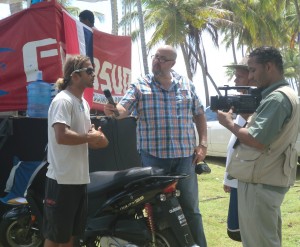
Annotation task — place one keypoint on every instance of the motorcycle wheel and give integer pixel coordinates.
(165, 238)
(18, 233)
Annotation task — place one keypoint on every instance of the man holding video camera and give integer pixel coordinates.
(265, 159)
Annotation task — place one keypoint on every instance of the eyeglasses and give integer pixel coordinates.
(89, 71)
(161, 59)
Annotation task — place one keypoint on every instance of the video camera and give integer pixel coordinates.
(242, 103)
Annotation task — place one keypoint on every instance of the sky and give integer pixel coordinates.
(216, 58)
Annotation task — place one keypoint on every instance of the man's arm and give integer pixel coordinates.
(225, 118)
(65, 136)
(128, 100)
(201, 126)
(109, 110)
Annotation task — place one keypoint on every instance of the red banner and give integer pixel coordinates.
(112, 66)
(34, 40)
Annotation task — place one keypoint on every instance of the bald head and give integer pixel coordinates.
(163, 60)
(170, 50)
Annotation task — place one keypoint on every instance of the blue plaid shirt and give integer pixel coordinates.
(165, 117)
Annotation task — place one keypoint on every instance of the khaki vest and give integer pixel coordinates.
(277, 164)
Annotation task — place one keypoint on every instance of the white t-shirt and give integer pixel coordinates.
(232, 182)
(68, 164)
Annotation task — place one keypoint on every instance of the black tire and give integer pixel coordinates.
(93, 242)
(90, 242)
(18, 233)
(165, 238)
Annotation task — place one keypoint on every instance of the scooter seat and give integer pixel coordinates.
(104, 180)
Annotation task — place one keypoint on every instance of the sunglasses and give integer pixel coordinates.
(161, 59)
(89, 71)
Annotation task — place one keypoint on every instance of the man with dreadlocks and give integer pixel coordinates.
(70, 133)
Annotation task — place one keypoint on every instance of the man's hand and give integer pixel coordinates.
(199, 154)
(96, 138)
(109, 110)
(226, 119)
(226, 188)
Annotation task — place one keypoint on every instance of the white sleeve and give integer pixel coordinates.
(232, 182)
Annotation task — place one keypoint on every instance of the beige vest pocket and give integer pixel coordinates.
(242, 162)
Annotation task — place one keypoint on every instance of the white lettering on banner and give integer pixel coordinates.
(126, 78)
(30, 56)
(104, 75)
(109, 72)
(117, 78)
(118, 89)
(97, 69)
(62, 54)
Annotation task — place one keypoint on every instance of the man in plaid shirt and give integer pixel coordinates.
(166, 105)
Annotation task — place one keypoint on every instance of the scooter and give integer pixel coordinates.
(136, 207)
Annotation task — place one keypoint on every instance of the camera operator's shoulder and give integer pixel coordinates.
(277, 95)
(284, 96)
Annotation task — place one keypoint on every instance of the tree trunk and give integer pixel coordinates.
(186, 61)
(114, 16)
(15, 7)
(142, 36)
(213, 83)
(204, 73)
(233, 43)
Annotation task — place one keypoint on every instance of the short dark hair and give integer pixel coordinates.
(267, 54)
(87, 15)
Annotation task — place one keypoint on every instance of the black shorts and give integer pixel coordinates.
(65, 209)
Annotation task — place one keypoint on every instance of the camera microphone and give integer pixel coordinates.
(110, 100)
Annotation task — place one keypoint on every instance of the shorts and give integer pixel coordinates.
(65, 211)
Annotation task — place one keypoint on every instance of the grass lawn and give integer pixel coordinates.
(214, 205)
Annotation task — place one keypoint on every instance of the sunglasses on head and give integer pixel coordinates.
(89, 71)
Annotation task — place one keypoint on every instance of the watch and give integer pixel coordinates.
(203, 144)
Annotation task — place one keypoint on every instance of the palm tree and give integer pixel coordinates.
(293, 21)
(14, 5)
(114, 16)
(182, 24)
(179, 23)
(266, 22)
(292, 67)
(136, 14)
(252, 23)
(245, 25)
(142, 35)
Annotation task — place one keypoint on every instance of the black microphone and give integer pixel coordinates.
(110, 100)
